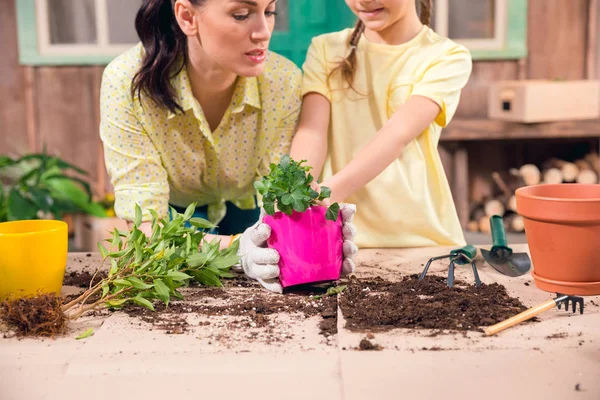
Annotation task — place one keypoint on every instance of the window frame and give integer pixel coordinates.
(34, 38)
(510, 41)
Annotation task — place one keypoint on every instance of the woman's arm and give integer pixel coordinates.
(310, 141)
(408, 122)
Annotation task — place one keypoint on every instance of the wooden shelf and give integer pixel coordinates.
(485, 129)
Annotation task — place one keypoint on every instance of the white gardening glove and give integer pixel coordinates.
(260, 262)
(348, 233)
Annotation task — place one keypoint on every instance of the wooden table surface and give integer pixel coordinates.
(125, 358)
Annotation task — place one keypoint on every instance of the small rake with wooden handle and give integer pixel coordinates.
(537, 310)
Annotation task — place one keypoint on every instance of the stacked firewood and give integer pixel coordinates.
(504, 203)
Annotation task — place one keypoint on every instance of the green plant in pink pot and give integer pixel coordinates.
(297, 240)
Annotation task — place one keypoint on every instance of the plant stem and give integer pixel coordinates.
(83, 309)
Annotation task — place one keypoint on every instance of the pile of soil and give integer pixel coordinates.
(35, 316)
(379, 305)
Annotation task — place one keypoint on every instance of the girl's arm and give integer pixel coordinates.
(408, 122)
(310, 140)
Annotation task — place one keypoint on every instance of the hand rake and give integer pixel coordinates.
(462, 256)
(537, 310)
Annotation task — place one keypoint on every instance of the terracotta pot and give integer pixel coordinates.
(562, 225)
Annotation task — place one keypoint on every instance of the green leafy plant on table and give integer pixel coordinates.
(142, 270)
(287, 188)
(37, 185)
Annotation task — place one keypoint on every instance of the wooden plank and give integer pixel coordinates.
(460, 187)
(67, 115)
(557, 39)
(13, 127)
(597, 40)
(30, 107)
(101, 174)
(591, 49)
(483, 129)
(474, 97)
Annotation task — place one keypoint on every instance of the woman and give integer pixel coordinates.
(197, 111)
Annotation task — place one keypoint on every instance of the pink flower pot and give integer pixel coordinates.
(309, 246)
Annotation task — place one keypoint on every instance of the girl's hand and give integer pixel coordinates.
(316, 187)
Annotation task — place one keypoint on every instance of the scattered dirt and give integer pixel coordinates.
(368, 305)
(560, 335)
(379, 305)
(594, 304)
(433, 348)
(255, 307)
(82, 279)
(526, 283)
(34, 316)
(366, 344)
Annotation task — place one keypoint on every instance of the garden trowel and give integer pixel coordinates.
(500, 256)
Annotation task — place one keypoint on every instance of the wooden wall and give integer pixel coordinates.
(58, 107)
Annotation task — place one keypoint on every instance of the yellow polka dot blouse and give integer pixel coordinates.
(155, 158)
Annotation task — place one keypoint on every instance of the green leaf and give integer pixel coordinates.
(19, 207)
(260, 187)
(225, 262)
(299, 179)
(269, 207)
(197, 260)
(333, 290)
(103, 250)
(189, 211)
(123, 282)
(178, 276)
(332, 212)
(116, 241)
(300, 202)
(116, 303)
(105, 289)
(138, 283)
(139, 254)
(207, 278)
(285, 209)
(313, 193)
(162, 291)
(86, 334)
(41, 198)
(201, 223)
(114, 267)
(286, 199)
(138, 216)
(284, 164)
(325, 193)
(139, 300)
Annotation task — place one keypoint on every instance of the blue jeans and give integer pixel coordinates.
(236, 220)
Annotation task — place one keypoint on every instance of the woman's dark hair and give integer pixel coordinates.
(164, 46)
(348, 65)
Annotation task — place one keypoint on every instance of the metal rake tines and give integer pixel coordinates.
(573, 300)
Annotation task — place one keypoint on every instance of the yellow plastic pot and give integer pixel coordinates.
(33, 257)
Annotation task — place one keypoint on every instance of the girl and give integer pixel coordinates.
(198, 110)
(376, 98)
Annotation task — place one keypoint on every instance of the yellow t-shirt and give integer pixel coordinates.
(410, 203)
(155, 157)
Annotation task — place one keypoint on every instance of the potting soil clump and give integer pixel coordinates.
(379, 305)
